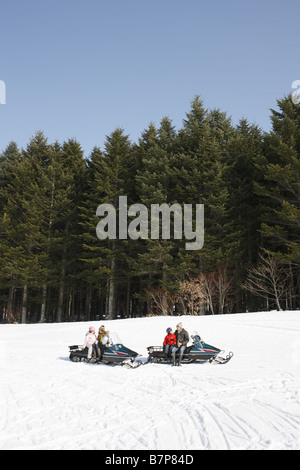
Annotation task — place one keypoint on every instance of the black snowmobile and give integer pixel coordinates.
(113, 352)
(198, 352)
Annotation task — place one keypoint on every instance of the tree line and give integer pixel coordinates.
(54, 268)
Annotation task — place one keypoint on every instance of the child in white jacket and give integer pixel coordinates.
(90, 340)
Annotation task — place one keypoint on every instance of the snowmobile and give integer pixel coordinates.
(112, 351)
(198, 352)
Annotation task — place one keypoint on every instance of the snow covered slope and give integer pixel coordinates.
(253, 402)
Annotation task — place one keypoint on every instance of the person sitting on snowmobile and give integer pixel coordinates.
(106, 340)
(169, 341)
(90, 342)
(101, 333)
(182, 339)
(103, 339)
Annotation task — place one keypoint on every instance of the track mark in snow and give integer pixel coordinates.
(251, 403)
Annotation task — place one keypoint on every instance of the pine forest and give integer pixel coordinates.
(54, 268)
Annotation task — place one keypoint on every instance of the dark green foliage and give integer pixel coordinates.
(53, 267)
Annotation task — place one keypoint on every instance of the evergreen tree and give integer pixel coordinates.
(66, 251)
(109, 178)
(23, 230)
(245, 150)
(280, 188)
(203, 143)
(8, 282)
(54, 267)
(161, 261)
(36, 217)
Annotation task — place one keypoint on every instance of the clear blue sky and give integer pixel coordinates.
(81, 68)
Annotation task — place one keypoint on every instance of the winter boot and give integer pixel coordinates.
(180, 359)
(173, 360)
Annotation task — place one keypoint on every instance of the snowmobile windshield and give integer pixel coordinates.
(114, 338)
(196, 337)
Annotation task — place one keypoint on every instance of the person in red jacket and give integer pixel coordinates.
(169, 342)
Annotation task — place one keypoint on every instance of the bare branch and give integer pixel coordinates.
(269, 279)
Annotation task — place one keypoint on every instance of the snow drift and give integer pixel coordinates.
(253, 402)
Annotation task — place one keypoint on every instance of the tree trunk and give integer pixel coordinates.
(24, 304)
(164, 306)
(88, 302)
(61, 292)
(10, 301)
(112, 292)
(127, 313)
(43, 307)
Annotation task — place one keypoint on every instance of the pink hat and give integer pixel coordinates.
(92, 328)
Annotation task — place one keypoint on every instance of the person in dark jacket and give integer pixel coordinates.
(182, 339)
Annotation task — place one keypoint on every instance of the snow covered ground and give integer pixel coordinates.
(253, 402)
